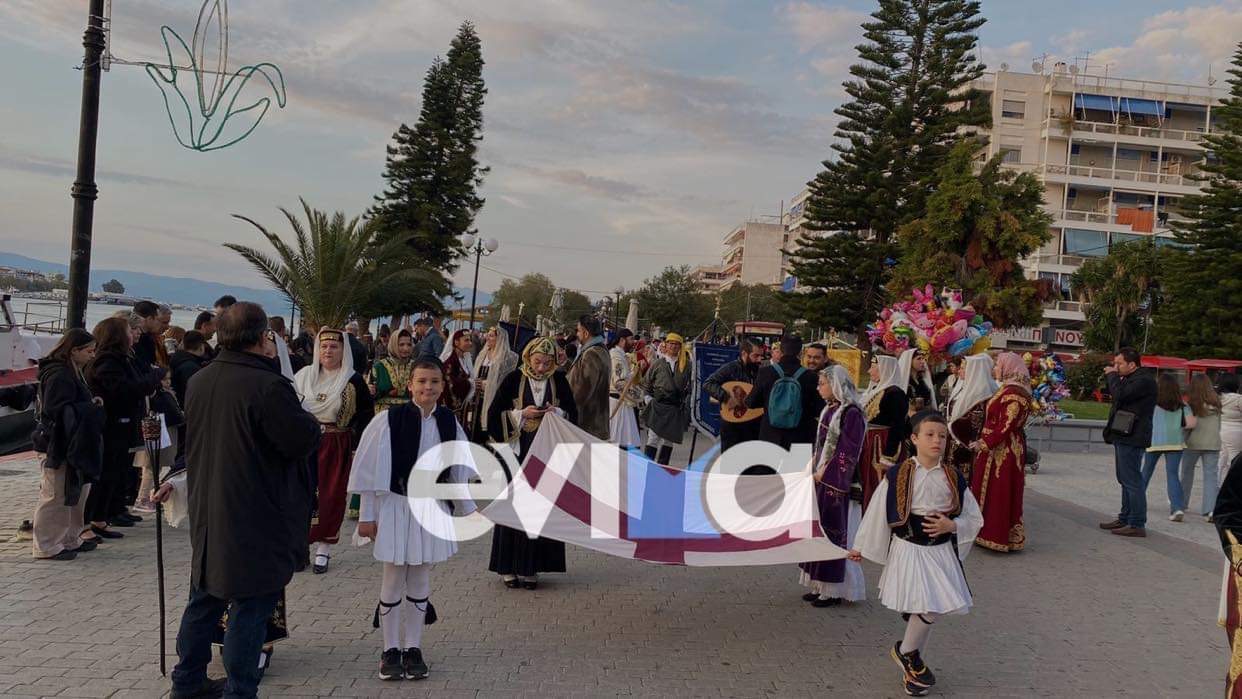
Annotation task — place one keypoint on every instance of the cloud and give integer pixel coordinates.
(1017, 55)
(18, 161)
(1178, 45)
(815, 26)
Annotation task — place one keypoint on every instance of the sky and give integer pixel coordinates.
(622, 135)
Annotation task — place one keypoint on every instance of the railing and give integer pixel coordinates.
(1083, 216)
(1108, 173)
(1165, 91)
(1065, 306)
(47, 317)
(1105, 129)
(1057, 259)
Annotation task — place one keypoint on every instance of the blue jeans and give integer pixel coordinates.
(247, 629)
(1211, 484)
(1172, 479)
(1129, 462)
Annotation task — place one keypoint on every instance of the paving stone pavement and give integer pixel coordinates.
(1080, 613)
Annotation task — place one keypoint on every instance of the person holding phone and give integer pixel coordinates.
(1129, 431)
(522, 400)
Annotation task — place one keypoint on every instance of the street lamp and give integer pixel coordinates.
(480, 247)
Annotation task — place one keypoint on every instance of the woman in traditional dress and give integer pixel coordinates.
(517, 410)
(999, 477)
(493, 364)
(886, 405)
(967, 408)
(458, 364)
(1228, 518)
(338, 397)
(391, 375)
(920, 388)
(838, 492)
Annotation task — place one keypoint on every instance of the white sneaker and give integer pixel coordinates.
(1177, 516)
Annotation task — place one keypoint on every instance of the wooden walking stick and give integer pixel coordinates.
(151, 439)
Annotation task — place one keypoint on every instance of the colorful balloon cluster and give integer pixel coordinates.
(940, 326)
(1048, 386)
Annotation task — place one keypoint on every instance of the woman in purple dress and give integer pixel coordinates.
(838, 494)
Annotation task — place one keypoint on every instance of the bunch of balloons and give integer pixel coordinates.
(1048, 386)
(941, 326)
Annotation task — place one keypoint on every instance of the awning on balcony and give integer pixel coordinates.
(1101, 102)
(1133, 105)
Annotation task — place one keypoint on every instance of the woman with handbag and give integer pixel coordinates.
(70, 435)
(1169, 422)
(1202, 442)
(115, 378)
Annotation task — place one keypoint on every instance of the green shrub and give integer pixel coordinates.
(1087, 375)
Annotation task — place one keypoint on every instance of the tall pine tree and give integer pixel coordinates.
(1202, 288)
(979, 225)
(433, 173)
(909, 96)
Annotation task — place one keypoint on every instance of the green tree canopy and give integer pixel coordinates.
(334, 266)
(672, 301)
(113, 286)
(1118, 287)
(536, 291)
(1202, 289)
(909, 97)
(978, 227)
(432, 174)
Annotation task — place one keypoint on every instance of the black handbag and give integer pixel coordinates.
(1121, 424)
(41, 435)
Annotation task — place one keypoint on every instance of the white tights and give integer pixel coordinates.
(918, 628)
(400, 586)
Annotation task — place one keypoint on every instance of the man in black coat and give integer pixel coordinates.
(1134, 396)
(744, 369)
(185, 363)
(812, 404)
(247, 444)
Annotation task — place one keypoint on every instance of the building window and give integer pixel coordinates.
(1127, 154)
(1086, 243)
(1009, 154)
(1013, 109)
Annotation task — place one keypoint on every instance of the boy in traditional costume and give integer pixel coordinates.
(411, 531)
(340, 400)
(920, 526)
(521, 401)
(838, 493)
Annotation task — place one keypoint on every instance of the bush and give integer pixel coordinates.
(1087, 375)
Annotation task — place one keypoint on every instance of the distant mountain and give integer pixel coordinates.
(182, 290)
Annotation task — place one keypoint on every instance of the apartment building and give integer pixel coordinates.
(709, 278)
(1115, 155)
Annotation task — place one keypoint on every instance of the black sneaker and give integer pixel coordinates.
(912, 688)
(914, 667)
(120, 522)
(412, 661)
(390, 665)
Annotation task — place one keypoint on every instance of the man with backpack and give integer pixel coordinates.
(788, 394)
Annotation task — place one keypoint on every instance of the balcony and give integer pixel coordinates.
(1047, 259)
(1124, 133)
(1148, 89)
(1083, 174)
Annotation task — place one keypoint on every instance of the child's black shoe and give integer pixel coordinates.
(390, 665)
(912, 664)
(413, 665)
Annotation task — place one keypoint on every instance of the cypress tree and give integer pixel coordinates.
(979, 225)
(432, 172)
(908, 97)
(1202, 287)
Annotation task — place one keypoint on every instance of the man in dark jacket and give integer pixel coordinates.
(247, 443)
(812, 404)
(185, 363)
(744, 369)
(1134, 397)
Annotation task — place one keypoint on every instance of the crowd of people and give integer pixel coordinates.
(275, 440)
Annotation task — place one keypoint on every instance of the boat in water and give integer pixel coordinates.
(22, 343)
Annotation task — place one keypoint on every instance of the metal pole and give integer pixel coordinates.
(84, 190)
(474, 292)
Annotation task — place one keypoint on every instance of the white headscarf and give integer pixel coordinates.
(888, 377)
(502, 360)
(975, 385)
(844, 392)
(320, 391)
(282, 353)
(905, 366)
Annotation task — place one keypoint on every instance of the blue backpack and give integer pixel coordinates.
(785, 400)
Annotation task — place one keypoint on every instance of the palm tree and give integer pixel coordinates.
(335, 266)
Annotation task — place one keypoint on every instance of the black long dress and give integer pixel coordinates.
(513, 552)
